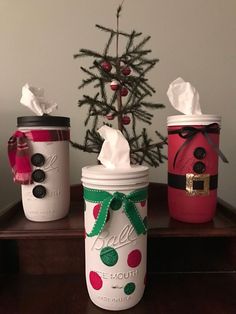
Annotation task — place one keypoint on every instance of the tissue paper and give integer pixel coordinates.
(115, 151)
(33, 98)
(184, 97)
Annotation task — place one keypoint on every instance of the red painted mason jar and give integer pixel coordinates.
(193, 149)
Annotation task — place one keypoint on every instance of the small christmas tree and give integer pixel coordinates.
(122, 88)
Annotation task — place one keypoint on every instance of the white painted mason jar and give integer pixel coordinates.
(116, 235)
(48, 197)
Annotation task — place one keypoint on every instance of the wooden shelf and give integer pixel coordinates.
(160, 224)
(191, 267)
(165, 293)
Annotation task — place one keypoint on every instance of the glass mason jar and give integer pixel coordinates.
(116, 235)
(47, 197)
(193, 148)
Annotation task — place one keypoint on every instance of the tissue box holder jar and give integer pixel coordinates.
(115, 235)
(48, 197)
(193, 142)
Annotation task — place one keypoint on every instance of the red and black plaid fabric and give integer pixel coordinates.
(18, 150)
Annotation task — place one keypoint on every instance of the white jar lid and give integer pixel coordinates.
(101, 176)
(202, 119)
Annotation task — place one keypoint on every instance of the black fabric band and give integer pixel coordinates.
(178, 181)
(186, 132)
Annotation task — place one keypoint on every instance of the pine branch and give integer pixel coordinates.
(87, 100)
(95, 121)
(140, 53)
(142, 43)
(78, 146)
(113, 100)
(108, 44)
(88, 117)
(93, 77)
(130, 42)
(147, 69)
(137, 69)
(152, 105)
(132, 58)
(110, 30)
(147, 151)
(144, 89)
(143, 66)
(103, 91)
(140, 83)
(141, 118)
(139, 113)
(163, 138)
(140, 80)
(87, 81)
(88, 53)
(93, 141)
(119, 10)
(144, 61)
(88, 72)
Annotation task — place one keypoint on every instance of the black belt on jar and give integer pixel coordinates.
(194, 184)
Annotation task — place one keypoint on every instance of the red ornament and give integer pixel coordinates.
(106, 66)
(110, 117)
(114, 85)
(124, 91)
(126, 120)
(126, 70)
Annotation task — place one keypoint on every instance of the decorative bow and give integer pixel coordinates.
(116, 200)
(189, 132)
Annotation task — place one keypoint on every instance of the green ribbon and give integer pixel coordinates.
(116, 200)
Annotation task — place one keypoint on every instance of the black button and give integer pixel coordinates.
(39, 191)
(199, 153)
(199, 167)
(38, 160)
(38, 175)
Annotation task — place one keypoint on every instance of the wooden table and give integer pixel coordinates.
(191, 267)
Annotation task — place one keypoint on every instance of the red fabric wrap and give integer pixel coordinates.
(18, 150)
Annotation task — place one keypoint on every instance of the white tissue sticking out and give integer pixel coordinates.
(33, 98)
(115, 151)
(184, 97)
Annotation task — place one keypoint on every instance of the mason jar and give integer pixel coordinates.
(47, 197)
(193, 149)
(116, 235)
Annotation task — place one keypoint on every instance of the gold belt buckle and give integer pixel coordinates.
(191, 178)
